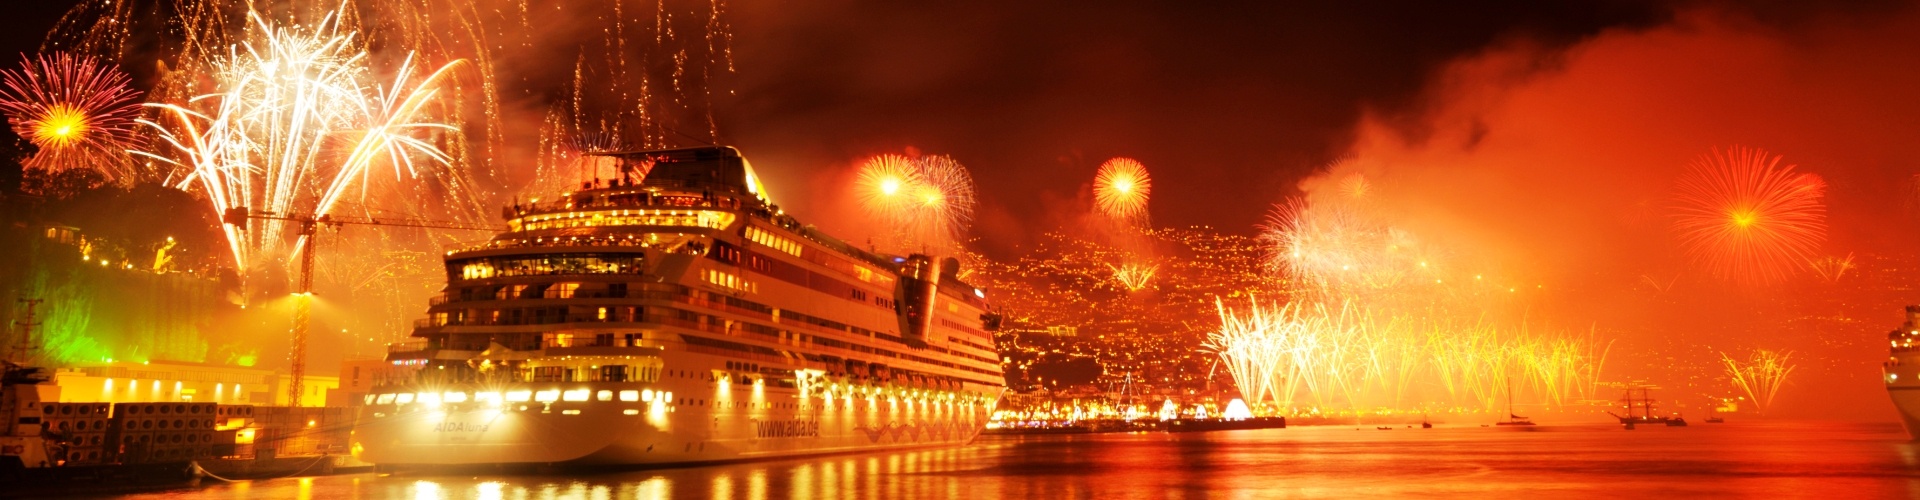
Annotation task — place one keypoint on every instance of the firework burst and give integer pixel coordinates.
(298, 126)
(1339, 246)
(1133, 277)
(1831, 269)
(79, 112)
(1760, 376)
(1748, 218)
(944, 195)
(926, 201)
(884, 183)
(1121, 188)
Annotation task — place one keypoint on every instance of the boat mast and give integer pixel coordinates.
(1509, 398)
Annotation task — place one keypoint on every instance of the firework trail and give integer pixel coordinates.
(1121, 188)
(1298, 355)
(1831, 269)
(299, 126)
(1133, 277)
(78, 111)
(1761, 376)
(1747, 218)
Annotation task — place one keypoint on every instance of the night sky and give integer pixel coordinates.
(1228, 106)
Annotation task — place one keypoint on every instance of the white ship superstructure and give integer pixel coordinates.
(681, 318)
(1902, 370)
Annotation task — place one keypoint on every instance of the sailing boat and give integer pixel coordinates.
(1646, 416)
(1511, 418)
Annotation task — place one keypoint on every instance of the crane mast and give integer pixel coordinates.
(303, 294)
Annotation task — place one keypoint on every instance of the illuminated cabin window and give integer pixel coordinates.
(711, 219)
(773, 241)
(546, 265)
(561, 290)
(730, 280)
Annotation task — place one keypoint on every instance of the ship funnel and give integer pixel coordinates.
(914, 293)
(949, 269)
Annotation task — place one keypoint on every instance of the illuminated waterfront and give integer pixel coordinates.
(1763, 459)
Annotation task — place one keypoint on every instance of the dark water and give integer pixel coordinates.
(1723, 460)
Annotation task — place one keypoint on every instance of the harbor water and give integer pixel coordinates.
(1736, 459)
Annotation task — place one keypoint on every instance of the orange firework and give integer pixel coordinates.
(1121, 188)
(928, 200)
(80, 113)
(885, 183)
(1748, 218)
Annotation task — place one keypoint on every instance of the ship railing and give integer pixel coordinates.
(655, 200)
(558, 294)
(719, 306)
(583, 341)
(408, 347)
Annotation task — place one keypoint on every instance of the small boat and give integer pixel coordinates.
(1384, 428)
(1515, 420)
(1511, 418)
(1716, 420)
(1424, 424)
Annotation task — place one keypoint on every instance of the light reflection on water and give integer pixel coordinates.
(1743, 459)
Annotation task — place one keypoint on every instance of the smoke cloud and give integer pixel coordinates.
(1557, 168)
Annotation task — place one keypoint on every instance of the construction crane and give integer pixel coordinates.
(303, 306)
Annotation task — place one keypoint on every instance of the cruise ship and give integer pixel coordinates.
(1902, 370)
(675, 315)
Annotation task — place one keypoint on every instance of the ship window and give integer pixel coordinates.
(629, 396)
(548, 396)
(561, 290)
(519, 396)
(454, 397)
(383, 399)
(604, 396)
(613, 373)
(575, 395)
(560, 264)
(404, 398)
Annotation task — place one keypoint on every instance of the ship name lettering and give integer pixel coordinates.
(460, 427)
(786, 428)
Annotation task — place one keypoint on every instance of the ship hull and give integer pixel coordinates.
(702, 422)
(1902, 376)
